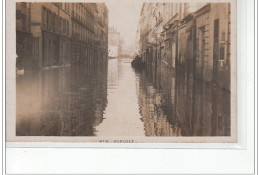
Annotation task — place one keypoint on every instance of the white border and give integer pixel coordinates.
(188, 161)
(2, 87)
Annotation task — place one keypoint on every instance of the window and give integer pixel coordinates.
(64, 26)
(73, 28)
(53, 22)
(216, 41)
(67, 27)
(60, 25)
(44, 18)
(222, 51)
(216, 30)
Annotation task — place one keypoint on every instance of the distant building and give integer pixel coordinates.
(113, 43)
(128, 51)
(54, 34)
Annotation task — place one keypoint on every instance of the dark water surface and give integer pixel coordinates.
(113, 99)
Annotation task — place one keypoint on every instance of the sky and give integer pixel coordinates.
(124, 15)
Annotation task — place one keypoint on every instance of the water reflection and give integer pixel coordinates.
(66, 101)
(122, 117)
(112, 99)
(175, 105)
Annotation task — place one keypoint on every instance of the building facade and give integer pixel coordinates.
(23, 35)
(192, 38)
(114, 43)
(62, 33)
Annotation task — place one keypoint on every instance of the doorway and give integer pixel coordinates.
(215, 51)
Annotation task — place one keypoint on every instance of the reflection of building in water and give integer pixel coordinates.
(67, 101)
(175, 105)
(113, 74)
(121, 117)
(52, 34)
(190, 37)
(155, 106)
(155, 121)
(206, 109)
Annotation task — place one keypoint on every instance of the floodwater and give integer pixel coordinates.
(113, 99)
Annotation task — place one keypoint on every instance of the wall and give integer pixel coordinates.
(65, 32)
(189, 41)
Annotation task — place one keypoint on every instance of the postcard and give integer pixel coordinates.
(121, 71)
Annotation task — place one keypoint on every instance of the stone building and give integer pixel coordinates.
(114, 43)
(23, 35)
(192, 38)
(89, 30)
(102, 29)
(62, 33)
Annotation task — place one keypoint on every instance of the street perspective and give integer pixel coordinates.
(125, 72)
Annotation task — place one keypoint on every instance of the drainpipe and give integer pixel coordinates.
(228, 39)
(176, 48)
(194, 44)
(228, 47)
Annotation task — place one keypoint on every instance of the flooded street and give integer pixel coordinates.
(110, 98)
(122, 110)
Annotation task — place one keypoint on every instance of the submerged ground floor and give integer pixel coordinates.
(111, 98)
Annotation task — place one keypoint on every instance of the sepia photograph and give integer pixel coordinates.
(125, 72)
(130, 86)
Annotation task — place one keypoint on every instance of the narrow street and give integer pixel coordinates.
(122, 110)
